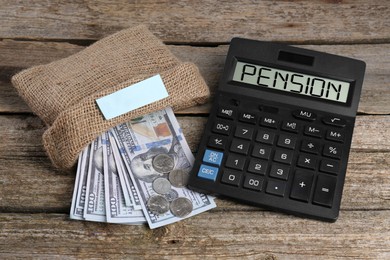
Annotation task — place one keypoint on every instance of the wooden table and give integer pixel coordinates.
(35, 197)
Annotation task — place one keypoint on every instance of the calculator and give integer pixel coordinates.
(280, 129)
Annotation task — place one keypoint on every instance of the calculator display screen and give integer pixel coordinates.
(290, 81)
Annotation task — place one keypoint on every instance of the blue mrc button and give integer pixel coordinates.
(208, 172)
(213, 157)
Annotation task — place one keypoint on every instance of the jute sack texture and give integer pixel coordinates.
(63, 93)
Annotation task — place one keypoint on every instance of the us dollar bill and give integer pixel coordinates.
(125, 186)
(124, 175)
(94, 208)
(142, 140)
(124, 180)
(116, 209)
(78, 199)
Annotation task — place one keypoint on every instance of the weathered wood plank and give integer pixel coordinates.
(21, 134)
(35, 197)
(222, 235)
(30, 184)
(19, 55)
(200, 21)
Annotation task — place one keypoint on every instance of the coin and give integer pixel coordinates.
(171, 195)
(181, 207)
(161, 186)
(163, 163)
(157, 204)
(179, 178)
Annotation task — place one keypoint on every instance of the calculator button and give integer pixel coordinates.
(334, 121)
(277, 188)
(212, 157)
(307, 161)
(287, 141)
(324, 191)
(253, 182)
(222, 127)
(330, 166)
(257, 166)
(279, 171)
(313, 131)
(269, 122)
(240, 146)
(235, 162)
(283, 156)
(218, 142)
(208, 172)
(248, 118)
(332, 150)
(262, 151)
(301, 185)
(337, 136)
(226, 112)
(310, 146)
(231, 177)
(290, 126)
(244, 132)
(305, 115)
(265, 137)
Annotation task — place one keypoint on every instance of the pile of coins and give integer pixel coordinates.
(167, 198)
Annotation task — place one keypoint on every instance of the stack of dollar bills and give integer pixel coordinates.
(136, 173)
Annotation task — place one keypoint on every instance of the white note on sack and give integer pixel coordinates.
(132, 97)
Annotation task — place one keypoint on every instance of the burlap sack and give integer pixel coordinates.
(50, 89)
(63, 93)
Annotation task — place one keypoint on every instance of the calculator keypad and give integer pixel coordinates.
(291, 154)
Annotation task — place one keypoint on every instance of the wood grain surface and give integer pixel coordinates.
(22, 149)
(200, 22)
(212, 235)
(35, 197)
(18, 55)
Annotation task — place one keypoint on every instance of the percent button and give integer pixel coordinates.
(332, 150)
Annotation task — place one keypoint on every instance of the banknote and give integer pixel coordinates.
(152, 146)
(116, 209)
(124, 175)
(94, 209)
(125, 186)
(78, 199)
(124, 179)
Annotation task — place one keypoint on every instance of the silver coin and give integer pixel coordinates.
(161, 186)
(171, 195)
(163, 163)
(158, 205)
(181, 207)
(179, 178)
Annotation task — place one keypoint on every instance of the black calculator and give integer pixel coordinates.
(280, 129)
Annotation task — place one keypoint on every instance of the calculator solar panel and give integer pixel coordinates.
(280, 129)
